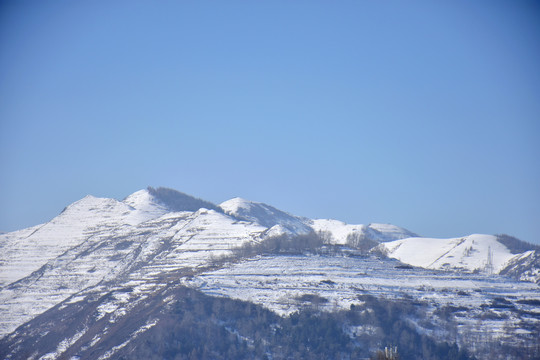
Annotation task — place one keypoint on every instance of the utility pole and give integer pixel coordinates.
(489, 263)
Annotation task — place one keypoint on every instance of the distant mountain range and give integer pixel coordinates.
(106, 259)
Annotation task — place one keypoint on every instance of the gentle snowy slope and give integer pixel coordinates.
(472, 253)
(278, 281)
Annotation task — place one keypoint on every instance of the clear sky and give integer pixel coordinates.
(424, 114)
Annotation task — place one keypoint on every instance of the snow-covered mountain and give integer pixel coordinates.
(107, 257)
(25, 251)
(96, 240)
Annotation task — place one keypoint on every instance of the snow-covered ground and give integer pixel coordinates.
(504, 307)
(133, 247)
(276, 281)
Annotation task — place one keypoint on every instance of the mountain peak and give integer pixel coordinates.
(138, 198)
(264, 215)
(235, 204)
(89, 202)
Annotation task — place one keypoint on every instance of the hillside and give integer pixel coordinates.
(105, 277)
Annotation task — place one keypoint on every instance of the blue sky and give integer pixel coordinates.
(422, 114)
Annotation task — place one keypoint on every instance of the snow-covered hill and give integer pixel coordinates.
(266, 215)
(473, 253)
(108, 240)
(23, 252)
(106, 257)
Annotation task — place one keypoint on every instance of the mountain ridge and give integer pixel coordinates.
(152, 203)
(135, 248)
